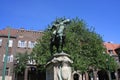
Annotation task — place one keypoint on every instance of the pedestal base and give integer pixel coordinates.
(59, 67)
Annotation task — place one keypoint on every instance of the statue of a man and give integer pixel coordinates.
(61, 28)
(58, 33)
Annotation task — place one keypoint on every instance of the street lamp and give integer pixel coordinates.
(6, 57)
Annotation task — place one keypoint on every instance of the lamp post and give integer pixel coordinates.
(6, 57)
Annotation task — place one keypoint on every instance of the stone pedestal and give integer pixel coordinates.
(59, 67)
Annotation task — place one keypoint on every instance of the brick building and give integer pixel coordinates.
(20, 41)
(114, 51)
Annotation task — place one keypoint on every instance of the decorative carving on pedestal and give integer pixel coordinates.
(59, 67)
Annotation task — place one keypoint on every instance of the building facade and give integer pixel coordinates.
(114, 50)
(20, 41)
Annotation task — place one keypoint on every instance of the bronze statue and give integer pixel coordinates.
(58, 35)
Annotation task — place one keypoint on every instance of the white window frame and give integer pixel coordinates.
(22, 44)
(32, 62)
(31, 44)
(9, 58)
(110, 51)
(0, 42)
(10, 43)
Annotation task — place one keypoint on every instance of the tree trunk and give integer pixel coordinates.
(26, 74)
(109, 75)
(82, 76)
(86, 76)
(94, 75)
(116, 75)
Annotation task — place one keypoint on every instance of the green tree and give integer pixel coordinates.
(21, 62)
(83, 44)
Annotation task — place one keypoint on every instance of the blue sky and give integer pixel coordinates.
(104, 15)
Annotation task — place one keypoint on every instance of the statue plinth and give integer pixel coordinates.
(59, 67)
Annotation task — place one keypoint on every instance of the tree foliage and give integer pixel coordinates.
(82, 43)
(21, 62)
(110, 63)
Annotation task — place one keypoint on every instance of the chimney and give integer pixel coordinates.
(110, 42)
(22, 28)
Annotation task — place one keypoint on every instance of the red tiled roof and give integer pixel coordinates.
(111, 46)
(4, 32)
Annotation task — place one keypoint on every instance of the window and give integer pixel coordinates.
(10, 43)
(32, 62)
(9, 58)
(31, 44)
(7, 71)
(110, 51)
(0, 42)
(22, 44)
